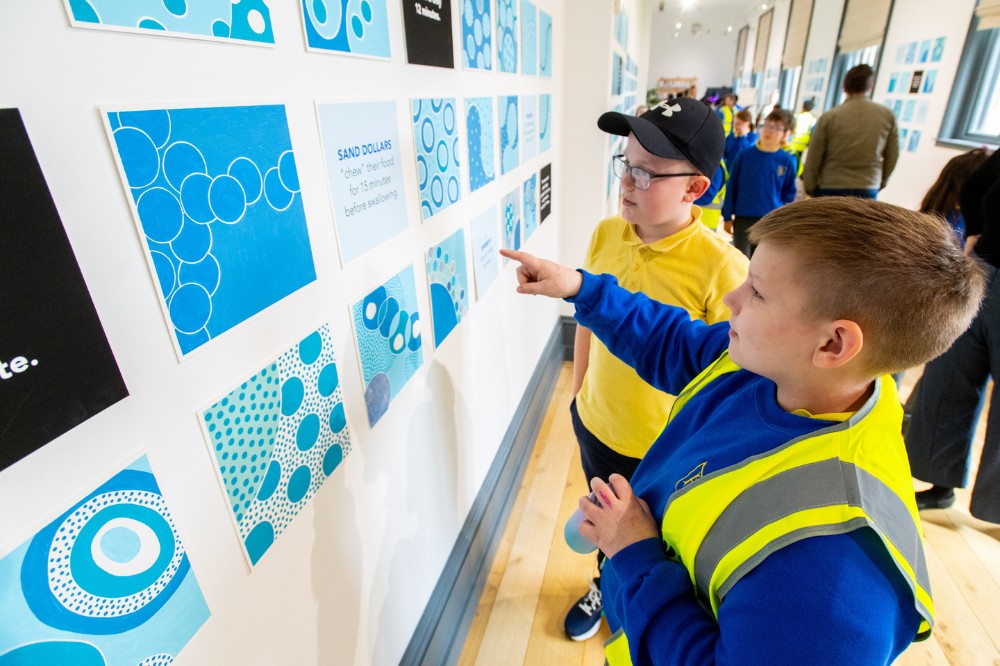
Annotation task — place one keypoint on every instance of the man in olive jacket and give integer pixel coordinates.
(854, 147)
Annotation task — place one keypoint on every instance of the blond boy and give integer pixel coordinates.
(774, 520)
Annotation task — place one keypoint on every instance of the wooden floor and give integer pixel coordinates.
(535, 577)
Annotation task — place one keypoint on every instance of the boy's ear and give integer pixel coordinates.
(843, 340)
(696, 187)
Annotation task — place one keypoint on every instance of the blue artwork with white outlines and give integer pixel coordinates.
(530, 206)
(277, 438)
(388, 331)
(242, 20)
(106, 583)
(529, 38)
(544, 44)
(507, 36)
(216, 197)
(435, 133)
(510, 219)
(544, 122)
(359, 27)
(448, 279)
(509, 144)
(477, 34)
(482, 157)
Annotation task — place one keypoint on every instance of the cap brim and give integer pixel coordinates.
(646, 133)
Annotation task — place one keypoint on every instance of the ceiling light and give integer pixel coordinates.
(729, 28)
(678, 25)
(763, 7)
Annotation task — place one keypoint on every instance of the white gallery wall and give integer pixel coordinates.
(706, 52)
(350, 577)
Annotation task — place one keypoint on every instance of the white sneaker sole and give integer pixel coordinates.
(593, 631)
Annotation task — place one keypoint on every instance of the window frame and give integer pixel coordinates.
(969, 93)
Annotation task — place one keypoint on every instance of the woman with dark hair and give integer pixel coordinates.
(943, 196)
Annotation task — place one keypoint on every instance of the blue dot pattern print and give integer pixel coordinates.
(390, 345)
(435, 133)
(241, 20)
(544, 44)
(530, 219)
(507, 30)
(477, 34)
(448, 280)
(510, 148)
(107, 582)
(216, 195)
(529, 38)
(481, 140)
(277, 437)
(359, 27)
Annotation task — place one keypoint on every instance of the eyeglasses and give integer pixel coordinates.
(641, 178)
(774, 127)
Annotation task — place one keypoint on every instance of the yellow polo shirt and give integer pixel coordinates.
(693, 269)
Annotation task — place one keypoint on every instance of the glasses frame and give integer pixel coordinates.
(619, 163)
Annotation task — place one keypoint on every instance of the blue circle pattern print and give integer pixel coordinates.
(510, 148)
(477, 34)
(206, 198)
(435, 133)
(358, 27)
(388, 331)
(108, 581)
(482, 158)
(507, 36)
(246, 20)
(530, 219)
(447, 275)
(273, 439)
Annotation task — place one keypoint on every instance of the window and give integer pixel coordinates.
(973, 115)
(788, 86)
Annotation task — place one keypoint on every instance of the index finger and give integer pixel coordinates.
(518, 256)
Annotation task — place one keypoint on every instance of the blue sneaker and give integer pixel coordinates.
(584, 618)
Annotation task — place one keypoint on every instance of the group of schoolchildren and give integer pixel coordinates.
(752, 501)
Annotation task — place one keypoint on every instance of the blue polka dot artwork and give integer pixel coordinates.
(544, 122)
(544, 44)
(238, 20)
(481, 140)
(509, 133)
(435, 133)
(510, 220)
(355, 27)
(388, 331)
(107, 583)
(507, 32)
(530, 206)
(529, 38)
(477, 34)
(448, 280)
(277, 437)
(215, 193)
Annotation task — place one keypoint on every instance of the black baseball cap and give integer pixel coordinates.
(677, 129)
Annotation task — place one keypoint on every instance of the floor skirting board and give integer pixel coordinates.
(440, 633)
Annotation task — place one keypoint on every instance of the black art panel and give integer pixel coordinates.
(545, 193)
(427, 24)
(56, 368)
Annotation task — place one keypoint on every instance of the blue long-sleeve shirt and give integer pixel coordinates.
(737, 144)
(836, 599)
(717, 181)
(759, 182)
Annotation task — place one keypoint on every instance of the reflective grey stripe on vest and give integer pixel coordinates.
(825, 483)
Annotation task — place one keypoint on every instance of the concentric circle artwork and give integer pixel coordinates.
(435, 134)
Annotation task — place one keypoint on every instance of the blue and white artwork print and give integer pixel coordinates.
(530, 206)
(388, 331)
(276, 439)
(107, 583)
(510, 220)
(485, 256)
(544, 122)
(215, 193)
(477, 34)
(544, 44)
(529, 38)
(241, 20)
(507, 32)
(448, 280)
(347, 26)
(509, 140)
(364, 171)
(481, 138)
(435, 133)
(529, 127)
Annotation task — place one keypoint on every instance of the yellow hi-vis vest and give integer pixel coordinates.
(844, 477)
(804, 123)
(711, 212)
(727, 119)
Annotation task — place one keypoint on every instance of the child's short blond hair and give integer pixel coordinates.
(897, 273)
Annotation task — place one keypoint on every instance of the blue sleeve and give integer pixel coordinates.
(823, 600)
(788, 183)
(729, 205)
(661, 342)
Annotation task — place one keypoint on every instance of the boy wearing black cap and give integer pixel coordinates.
(659, 247)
